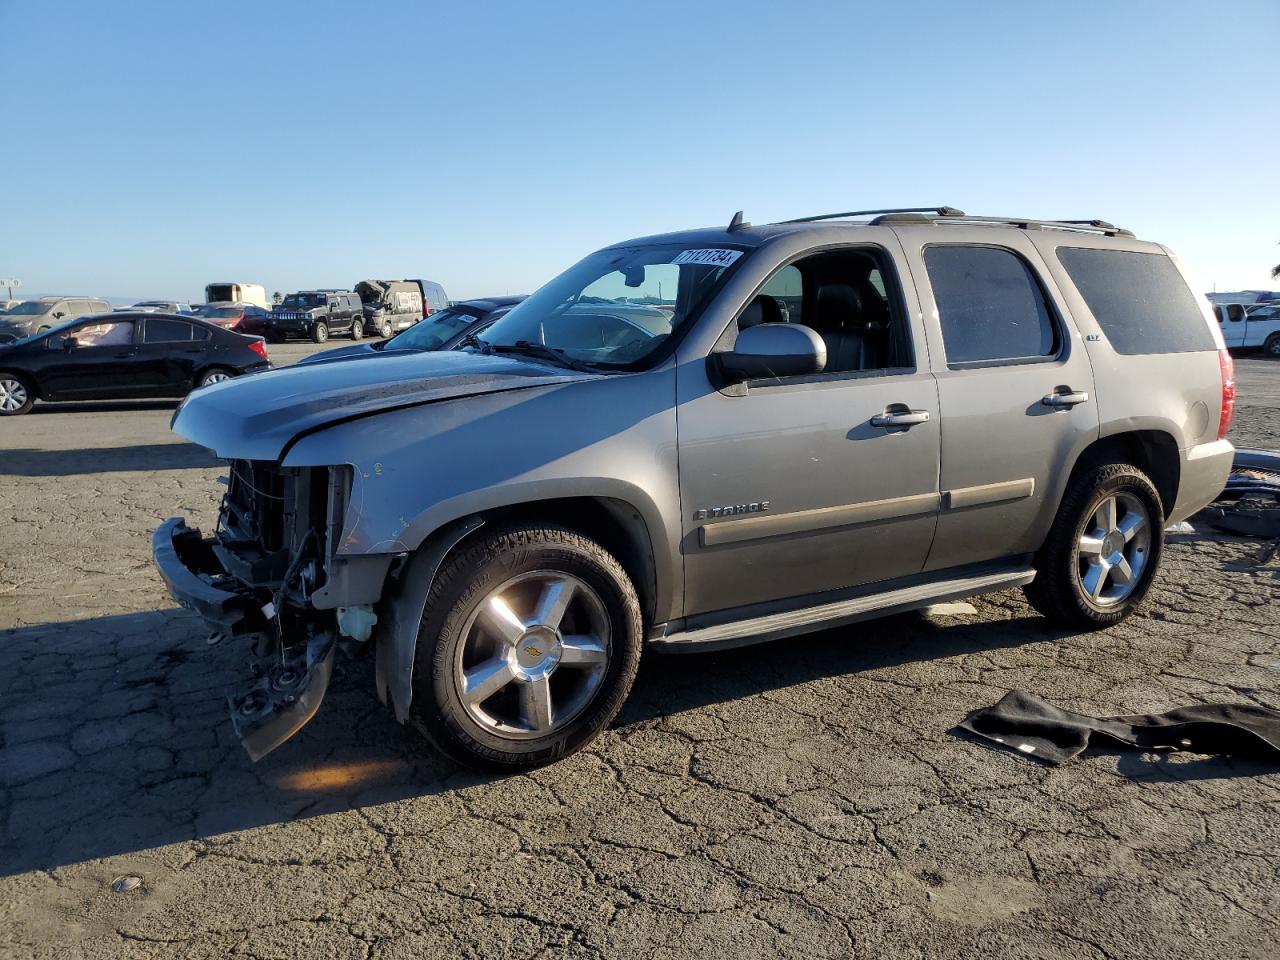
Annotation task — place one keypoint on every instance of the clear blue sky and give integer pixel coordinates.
(150, 148)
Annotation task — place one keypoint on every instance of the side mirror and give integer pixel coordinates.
(770, 350)
(58, 314)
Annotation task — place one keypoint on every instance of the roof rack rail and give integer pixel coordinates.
(936, 211)
(1080, 226)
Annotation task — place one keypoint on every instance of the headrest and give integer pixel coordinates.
(838, 304)
(763, 309)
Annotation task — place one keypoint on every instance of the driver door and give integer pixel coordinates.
(789, 487)
(100, 367)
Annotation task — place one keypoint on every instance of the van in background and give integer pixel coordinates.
(433, 296)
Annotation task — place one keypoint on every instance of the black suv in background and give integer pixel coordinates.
(316, 314)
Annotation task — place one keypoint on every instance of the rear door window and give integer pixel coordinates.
(991, 306)
(165, 331)
(1140, 300)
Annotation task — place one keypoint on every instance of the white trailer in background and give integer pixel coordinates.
(230, 292)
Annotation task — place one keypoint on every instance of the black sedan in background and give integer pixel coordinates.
(443, 330)
(122, 355)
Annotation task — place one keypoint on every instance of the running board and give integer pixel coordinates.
(789, 623)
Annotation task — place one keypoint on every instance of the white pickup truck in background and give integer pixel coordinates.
(1246, 327)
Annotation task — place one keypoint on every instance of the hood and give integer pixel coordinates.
(255, 417)
(346, 353)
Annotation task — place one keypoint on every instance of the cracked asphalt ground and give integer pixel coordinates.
(801, 799)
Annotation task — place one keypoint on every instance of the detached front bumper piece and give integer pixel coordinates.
(197, 580)
(286, 691)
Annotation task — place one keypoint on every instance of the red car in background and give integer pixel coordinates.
(240, 317)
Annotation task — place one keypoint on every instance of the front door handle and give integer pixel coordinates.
(1066, 399)
(899, 416)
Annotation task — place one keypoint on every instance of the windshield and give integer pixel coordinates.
(296, 300)
(31, 308)
(616, 308)
(431, 333)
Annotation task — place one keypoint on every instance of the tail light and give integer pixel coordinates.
(1228, 370)
(259, 347)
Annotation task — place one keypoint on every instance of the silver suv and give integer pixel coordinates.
(36, 316)
(703, 439)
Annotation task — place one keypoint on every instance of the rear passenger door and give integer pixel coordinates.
(1015, 389)
(169, 356)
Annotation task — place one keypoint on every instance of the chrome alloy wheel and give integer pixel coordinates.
(533, 654)
(13, 394)
(216, 376)
(1112, 553)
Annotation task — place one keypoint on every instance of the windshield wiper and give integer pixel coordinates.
(543, 352)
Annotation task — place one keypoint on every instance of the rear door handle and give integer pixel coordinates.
(1068, 399)
(900, 417)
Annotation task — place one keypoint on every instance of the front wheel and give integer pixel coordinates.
(320, 331)
(1272, 346)
(1103, 550)
(528, 648)
(16, 395)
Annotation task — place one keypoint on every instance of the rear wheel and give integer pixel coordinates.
(215, 375)
(528, 648)
(1103, 550)
(357, 329)
(320, 331)
(16, 395)
(1272, 346)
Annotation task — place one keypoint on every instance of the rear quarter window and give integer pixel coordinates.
(1140, 300)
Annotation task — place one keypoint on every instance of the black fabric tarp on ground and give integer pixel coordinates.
(1028, 725)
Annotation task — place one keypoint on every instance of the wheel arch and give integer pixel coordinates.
(615, 523)
(209, 367)
(32, 383)
(1155, 452)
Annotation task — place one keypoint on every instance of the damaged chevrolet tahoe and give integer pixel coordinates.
(704, 439)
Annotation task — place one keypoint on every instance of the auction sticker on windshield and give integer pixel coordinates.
(712, 256)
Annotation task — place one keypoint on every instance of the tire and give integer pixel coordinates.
(587, 680)
(214, 375)
(17, 396)
(1071, 586)
(1272, 347)
(357, 329)
(384, 331)
(320, 331)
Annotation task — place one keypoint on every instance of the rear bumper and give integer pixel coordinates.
(1204, 473)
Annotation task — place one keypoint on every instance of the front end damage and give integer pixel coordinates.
(271, 577)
